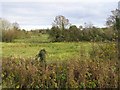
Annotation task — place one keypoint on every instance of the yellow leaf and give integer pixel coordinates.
(17, 86)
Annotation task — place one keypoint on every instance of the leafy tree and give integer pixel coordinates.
(56, 34)
(74, 33)
(112, 20)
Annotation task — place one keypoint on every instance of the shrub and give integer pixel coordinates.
(75, 73)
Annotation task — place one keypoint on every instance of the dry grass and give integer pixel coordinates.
(20, 73)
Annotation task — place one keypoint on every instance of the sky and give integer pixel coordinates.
(34, 14)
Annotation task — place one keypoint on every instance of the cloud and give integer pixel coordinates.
(41, 14)
(90, 1)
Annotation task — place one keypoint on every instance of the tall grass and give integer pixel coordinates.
(98, 71)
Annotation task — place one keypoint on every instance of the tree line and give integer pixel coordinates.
(87, 34)
(62, 30)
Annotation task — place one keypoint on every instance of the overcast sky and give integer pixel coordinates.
(31, 15)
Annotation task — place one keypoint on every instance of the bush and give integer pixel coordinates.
(87, 34)
(28, 73)
(104, 51)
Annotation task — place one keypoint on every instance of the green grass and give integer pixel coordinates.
(72, 64)
(37, 38)
(55, 51)
(29, 47)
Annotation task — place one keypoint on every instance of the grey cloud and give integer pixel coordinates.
(43, 13)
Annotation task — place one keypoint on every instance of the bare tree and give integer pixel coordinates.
(61, 22)
(4, 24)
(88, 25)
(15, 25)
(8, 30)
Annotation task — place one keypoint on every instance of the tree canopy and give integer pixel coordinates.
(61, 22)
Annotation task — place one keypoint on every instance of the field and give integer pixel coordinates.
(29, 48)
(40, 50)
(69, 64)
(60, 51)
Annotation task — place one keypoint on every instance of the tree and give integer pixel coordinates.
(88, 25)
(74, 33)
(9, 32)
(111, 21)
(15, 25)
(61, 22)
(114, 21)
(4, 24)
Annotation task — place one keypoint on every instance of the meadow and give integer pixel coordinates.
(29, 48)
(61, 57)
(60, 51)
(69, 64)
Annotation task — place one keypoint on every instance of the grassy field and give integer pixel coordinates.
(69, 64)
(55, 51)
(29, 48)
(35, 38)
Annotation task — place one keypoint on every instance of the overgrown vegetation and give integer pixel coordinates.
(91, 63)
(58, 33)
(100, 71)
(87, 34)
